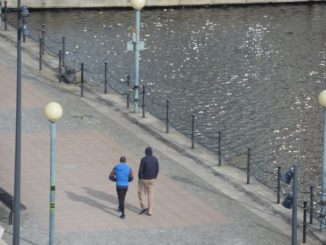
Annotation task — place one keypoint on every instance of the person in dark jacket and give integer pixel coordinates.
(122, 175)
(148, 172)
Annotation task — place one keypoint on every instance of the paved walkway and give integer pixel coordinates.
(190, 202)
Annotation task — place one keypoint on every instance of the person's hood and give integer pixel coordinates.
(148, 151)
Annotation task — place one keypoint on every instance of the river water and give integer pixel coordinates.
(251, 72)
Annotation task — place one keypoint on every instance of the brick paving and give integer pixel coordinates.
(188, 209)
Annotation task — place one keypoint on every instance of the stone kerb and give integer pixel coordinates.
(42, 4)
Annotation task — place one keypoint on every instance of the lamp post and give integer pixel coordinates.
(53, 111)
(22, 12)
(138, 45)
(322, 102)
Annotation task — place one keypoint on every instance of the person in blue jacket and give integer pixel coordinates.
(122, 174)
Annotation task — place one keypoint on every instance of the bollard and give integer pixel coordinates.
(304, 233)
(143, 105)
(278, 184)
(311, 209)
(192, 131)
(60, 53)
(63, 51)
(43, 38)
(5, 16)
(219, 149)
(128, 93)
(167, 116)
(82, 80)
(248, 167)
(40, 55)
(106, 77)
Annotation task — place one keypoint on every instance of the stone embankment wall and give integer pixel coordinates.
(126, 3)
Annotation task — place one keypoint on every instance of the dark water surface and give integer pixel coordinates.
(253, 73)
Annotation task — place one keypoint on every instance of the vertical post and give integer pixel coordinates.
(63, 51)
(5, 16)
(82, 80)
(143, 105)
(40, 58)
(128, 93)
(52, 182)
(248, 167)
(294, 205)
(43, 38)
(137, 61)
(17, 183)
(192, 131)
(278, 184)
(0, 14)
(60, 53)
(24, 37)
(323, 187)
(219, 149)
(167, 116)
(106, 77)
(311, 209)
(304, 233)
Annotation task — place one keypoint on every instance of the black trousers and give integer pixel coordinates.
(122, 196)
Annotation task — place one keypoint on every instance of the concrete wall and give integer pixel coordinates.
(126, 3)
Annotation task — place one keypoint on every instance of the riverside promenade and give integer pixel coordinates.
(196, 202)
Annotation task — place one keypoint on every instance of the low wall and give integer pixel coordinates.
(126, 3)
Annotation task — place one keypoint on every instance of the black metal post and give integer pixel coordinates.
(278, 184)
(106, 77)
(43, 38)
(82, 80)
(17, 183)
(143, 105)
(248, 167)
(40, 58)
(128, 93)
(219, 149)
(167, 116)
(304, 233)
(192, 131)
(60, 53)
(5, 16)
(63, 51)
(311, 209)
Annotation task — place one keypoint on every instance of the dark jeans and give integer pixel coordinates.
(122, 196)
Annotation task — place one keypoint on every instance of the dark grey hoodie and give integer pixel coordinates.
(149, 167)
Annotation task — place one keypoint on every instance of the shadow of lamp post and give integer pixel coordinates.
(53, 111)
(322, 102)
(22, 11)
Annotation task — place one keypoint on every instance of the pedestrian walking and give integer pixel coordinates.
(121, 174)
(147, 174)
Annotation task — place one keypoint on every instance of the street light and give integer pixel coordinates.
(22, 12)
(322, 102)
(138, 45)
(53, 111)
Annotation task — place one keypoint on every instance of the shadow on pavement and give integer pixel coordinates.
(110, 198)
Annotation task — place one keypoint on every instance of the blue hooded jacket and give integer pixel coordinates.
(122, 174)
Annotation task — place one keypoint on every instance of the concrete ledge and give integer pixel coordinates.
(53, 4)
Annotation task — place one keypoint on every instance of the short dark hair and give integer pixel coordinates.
(122, 159)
